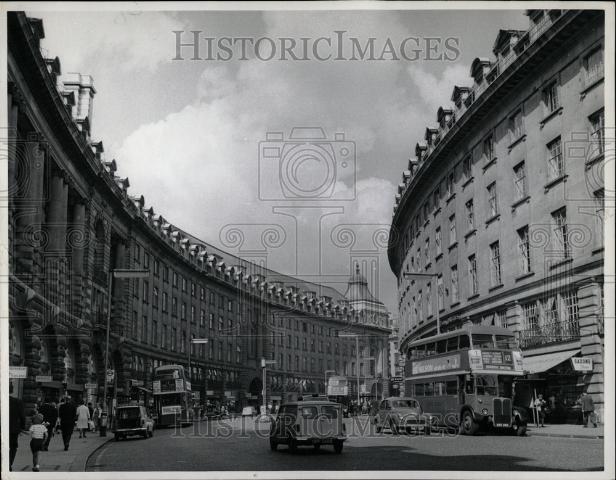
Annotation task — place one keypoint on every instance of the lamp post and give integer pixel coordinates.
(115, 273)
(325, 384)
(264, 364)
(351, 335)
(431, 276)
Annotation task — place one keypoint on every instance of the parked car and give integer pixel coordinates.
(249, 412)
(133, 420)
(308, 422)
(402, 413)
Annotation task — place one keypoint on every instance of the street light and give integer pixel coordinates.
(326, 372)
(115, 273)
(264, 364)
(351, 335)
(432, 276)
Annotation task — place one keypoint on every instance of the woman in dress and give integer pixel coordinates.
(83, 415)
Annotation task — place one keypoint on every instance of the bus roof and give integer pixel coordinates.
(169, 367)
(465, 329)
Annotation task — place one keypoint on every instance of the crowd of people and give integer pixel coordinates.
(550, 408)
(48, 419)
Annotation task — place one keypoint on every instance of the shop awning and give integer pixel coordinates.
(542, 363)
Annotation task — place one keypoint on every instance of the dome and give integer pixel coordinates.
(358, 288)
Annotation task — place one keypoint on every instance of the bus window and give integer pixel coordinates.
(506, 342)
(464, 342)
(429, 389)
(420, 351)
(441, 346)
(486, 384)
(482, 340)
(505, 386)
(419, 389)
(452, 387)
(430, 349)
(452, 344)
(469, 387)
(439, 388)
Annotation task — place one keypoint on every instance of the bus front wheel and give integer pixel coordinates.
(469, 425)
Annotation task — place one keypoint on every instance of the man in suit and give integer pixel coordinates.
(588, 410)
(17, 423)
(68, 414)
(50, 415)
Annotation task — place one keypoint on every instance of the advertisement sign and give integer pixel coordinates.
(450, 362)
(171, 410)
(517, 361)
(474, 359)
(179, 385)
(156, 386)
(336, 390)
(582, 364)
(18, 372)
(43, 378)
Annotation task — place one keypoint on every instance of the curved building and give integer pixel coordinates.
(73, 223)
(501, 209)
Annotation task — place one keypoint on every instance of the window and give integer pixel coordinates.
(427, 251)
(516, 126)
(455, 292)
(556, 166)
(164, 340)
(524, 250)
(438, 240)
(439, 292)
(174, 306)
(561, 244)
(146, 260)
(488, 149)
(211, 321)
(221, 324)
(229, 305)
(144, 329)
(436, 197)
(450, 179)
(466, 167)
(419, 307)
(593, 67)
(184, 286)
(472, 276)
(202, 318)
(192, 314)
(183, 311)
(155, 297)
(156, 267)
(429, 298)
(470, 214)
(452, 230)
(571, 307)
(495, 264)
(165, 273)
(175, 280)
(137, 253)
(519, 181)
(135, 326)
(492, 200)
(550, 97)
(146, 291)
(193, 289)
(531, 316)
(165, 302)
(202, 294)
(597, 132)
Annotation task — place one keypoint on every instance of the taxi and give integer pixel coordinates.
(400, 413)
(133, 420)
(311, 421)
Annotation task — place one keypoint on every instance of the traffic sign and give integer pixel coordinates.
(110, 375)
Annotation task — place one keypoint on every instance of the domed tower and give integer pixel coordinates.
(369, 309)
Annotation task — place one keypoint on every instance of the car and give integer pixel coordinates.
(308, 422)
(132, 420)
(249, 412)
(402, 414)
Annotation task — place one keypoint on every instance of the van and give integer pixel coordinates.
(310, 422)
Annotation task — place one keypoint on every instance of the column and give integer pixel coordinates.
(55, 252)
(77, 241)
(589, 303)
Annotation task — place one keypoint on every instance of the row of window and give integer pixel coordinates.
(299, 363)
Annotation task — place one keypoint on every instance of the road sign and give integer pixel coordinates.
(110, 375)
(18, 372)
(43, 378)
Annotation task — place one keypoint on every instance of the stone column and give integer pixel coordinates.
(76, 240)
(589, 298)
(56, 220)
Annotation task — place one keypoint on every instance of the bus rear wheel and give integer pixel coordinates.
(469, 425)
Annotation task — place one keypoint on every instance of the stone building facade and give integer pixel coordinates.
(503, 204)
(72, 221)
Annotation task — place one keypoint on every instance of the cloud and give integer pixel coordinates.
(130, 41)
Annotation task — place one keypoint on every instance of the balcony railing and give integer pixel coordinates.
(547, 334)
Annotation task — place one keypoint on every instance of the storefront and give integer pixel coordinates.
(559, 377)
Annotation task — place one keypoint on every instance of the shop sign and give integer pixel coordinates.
(18, 372)
(209, 393)
(43, 378)
(582, 364)
(90, 386)
(396, 379)
(156, 386)
(137, 383)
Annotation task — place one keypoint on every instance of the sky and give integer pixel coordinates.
(192, 135)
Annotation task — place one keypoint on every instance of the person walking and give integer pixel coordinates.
(39, 435)
(540, 404)
(96, 417)
(17, 423)
(83, 415)
(67, 413)
(50, 417)
(588, 410)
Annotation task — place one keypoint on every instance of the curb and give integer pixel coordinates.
(85, 463)
(564, 435)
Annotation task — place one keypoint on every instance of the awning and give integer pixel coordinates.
(542, 363)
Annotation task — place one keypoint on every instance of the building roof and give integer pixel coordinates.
(358, 288)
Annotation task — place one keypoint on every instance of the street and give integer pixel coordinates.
(226, 445)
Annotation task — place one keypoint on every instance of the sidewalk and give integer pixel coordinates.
(56, 459)
(566, 430)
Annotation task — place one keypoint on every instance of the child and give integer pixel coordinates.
(39, 434)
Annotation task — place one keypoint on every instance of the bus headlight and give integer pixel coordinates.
(485, 411)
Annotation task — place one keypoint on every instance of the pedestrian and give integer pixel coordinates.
(83, 416)
(39, 435)
(17, 423)
(540, 404)
(588, 410)
(91, 410)
(50, 417)
(67, 413)
(97, 417)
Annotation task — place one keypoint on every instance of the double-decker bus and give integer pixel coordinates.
(465, 378)
(172, 396)
(338, 391)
